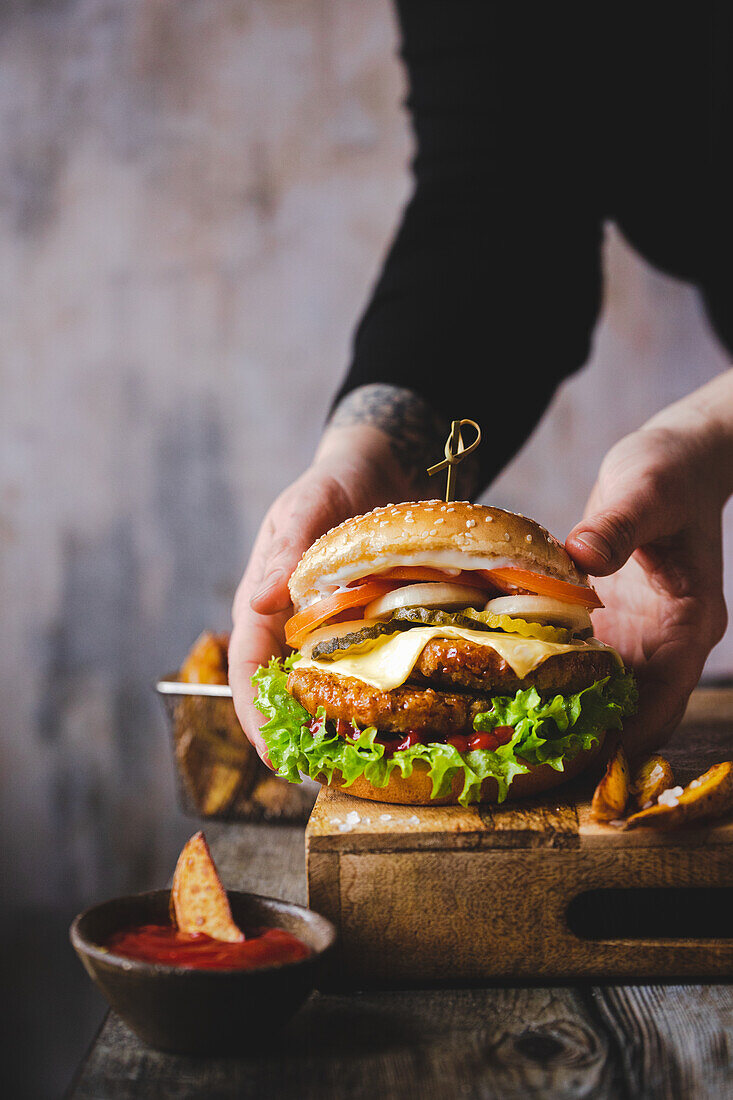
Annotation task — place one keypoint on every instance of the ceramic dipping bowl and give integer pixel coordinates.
(195, 1011)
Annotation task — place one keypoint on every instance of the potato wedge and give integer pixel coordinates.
(199, 902)
(612, 793)
(651, 777)
(206, 661)
(710, 795)
(223, 781)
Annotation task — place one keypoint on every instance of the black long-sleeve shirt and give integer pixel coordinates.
(534, 125)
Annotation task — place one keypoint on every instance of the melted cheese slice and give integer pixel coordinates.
(389, 662)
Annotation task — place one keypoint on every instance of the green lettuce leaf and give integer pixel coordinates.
(546, 731)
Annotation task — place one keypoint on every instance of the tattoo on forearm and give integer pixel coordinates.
(417, 433)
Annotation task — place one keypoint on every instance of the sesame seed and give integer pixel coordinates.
(529, 538)
(507, 536)
(432, 531)
(470, 523)
(489, 519)
(450, 509)
(439, 521)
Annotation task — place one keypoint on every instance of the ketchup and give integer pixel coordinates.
(459, 741)
(464, 742)
(483, 741)
(162, 943)
(414, 737)
(500, 735)
(503, 734)
(406, 741)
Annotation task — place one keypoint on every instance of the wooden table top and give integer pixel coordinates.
(573, 1040)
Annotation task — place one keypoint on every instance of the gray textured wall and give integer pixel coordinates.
(194, 196)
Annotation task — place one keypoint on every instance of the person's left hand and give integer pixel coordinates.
(652, 534)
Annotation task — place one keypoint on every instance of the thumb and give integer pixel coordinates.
(604, 540)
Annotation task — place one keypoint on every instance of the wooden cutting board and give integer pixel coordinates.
(536, 889)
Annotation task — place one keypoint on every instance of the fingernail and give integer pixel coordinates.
(267, 586)
(596, 543)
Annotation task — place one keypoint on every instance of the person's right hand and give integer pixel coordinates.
(353, 472)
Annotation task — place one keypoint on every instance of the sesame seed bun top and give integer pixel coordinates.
(457, 534)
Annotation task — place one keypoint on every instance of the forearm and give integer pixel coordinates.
(398, 434)
(490, 291)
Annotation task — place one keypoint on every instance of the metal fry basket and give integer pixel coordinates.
(218, 771)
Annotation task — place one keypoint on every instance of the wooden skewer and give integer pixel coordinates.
(455, 452)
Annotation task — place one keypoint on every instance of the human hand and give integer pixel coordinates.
(652, 534)
(372, 453)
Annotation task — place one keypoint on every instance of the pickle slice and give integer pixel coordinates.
(482, 620)
(512, 625)
(405, 617)
(428, 616)
(331, 646)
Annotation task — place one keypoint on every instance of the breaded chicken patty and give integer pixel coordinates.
(465, 676)
(397, 711)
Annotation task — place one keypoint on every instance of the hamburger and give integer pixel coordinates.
(442, 653)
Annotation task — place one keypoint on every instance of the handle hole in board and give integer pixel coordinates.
(653, 912)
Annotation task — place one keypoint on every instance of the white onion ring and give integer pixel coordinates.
(446, 596)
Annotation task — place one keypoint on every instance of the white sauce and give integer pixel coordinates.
(451, 561)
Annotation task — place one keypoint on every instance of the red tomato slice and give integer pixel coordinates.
(512, 577)
(299, 626)
(417, 574)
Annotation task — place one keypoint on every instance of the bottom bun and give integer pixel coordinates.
(415, 790)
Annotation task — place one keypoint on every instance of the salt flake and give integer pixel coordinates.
(670, 797)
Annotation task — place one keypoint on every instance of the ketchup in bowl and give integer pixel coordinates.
(164, 944)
